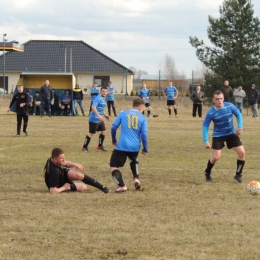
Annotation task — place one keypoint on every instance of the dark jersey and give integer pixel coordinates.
(20, 98)
(55, 176)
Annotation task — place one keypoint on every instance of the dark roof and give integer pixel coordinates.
(49, 56)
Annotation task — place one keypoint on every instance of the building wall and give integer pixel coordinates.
(85, 81)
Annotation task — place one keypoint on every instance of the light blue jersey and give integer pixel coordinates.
(133, 131)
(223, 121)
(144, 94)
(94, 92)
(100, 103)
(110, 97)
(170, 92)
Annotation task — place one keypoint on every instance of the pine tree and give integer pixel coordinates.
(235, 55)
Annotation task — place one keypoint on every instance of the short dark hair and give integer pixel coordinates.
(103, 88)
(56, 152)
(217, 92)
(138, 102)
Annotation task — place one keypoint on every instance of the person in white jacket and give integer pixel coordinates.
(239, 95)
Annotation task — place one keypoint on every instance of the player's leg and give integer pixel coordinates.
(147, 105)
(109, 107)
(19, 124)
(217, 145)
(118, 159)
(134, 165)
(25, 123)
(114, 108)
(92, 131)
(211, 162)
(169, 109)
(73, 176)
(102, 128)
(175, 108)
(240, 150)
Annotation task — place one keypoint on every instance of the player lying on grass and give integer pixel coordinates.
(59, 177)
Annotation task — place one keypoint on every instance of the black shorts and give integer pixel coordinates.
(118, 158)
(231, 141)
(170, 102)
(147, 104)
(96, 127)
(66, 106)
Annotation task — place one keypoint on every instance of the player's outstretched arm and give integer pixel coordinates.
(77, 166)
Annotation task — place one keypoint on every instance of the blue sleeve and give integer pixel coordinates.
(144, 141)
(239, 121)
(113, 133)
(205, 131)
(239, 117)
(114, 127)
(144, 137)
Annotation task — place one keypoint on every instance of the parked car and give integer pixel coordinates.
(3, 91)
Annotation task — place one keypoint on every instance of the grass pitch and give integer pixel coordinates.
(176, 216)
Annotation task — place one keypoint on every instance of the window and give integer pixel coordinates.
(102, 81)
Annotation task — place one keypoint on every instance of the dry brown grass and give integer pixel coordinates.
(177, 215)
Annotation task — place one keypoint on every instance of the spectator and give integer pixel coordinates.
(239, 95)
(197, 98)
(66, 103)
(227, 91)
(94, 91)
(55, 106)
(30, 100)
(46, 95)
(36, 102)
(253, 99)
(111, 99)
(77, 100)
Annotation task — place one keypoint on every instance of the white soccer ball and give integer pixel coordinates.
(253, 187)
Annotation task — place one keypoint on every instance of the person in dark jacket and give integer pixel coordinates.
(197, 98)
(253, 99)
(227, 91)
(77, 99)
(22, 111)
(46, 95)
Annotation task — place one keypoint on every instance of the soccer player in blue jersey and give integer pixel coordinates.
(111, 99)
(224, 131)
(144, 94)
(96, 121)
(94, 91)
(133, 131)
(171, 93)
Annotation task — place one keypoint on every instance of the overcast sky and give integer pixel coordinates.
(132, 32)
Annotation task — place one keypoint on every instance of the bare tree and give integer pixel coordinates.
(137, 73)
(169, 68)
(199, 74)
